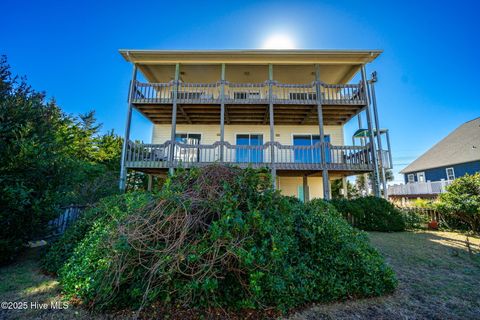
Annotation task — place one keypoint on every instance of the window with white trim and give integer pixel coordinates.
(421, 176)
(450, 174)
(411, 178)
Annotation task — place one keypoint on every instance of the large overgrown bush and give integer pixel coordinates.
(461, 202)
(222, 237)
(371, 214)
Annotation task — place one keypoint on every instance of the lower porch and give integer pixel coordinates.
(273, 155)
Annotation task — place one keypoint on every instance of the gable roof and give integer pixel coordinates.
(460, 146)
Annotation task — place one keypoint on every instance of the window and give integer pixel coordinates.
(450, 174)
(188, 95)
(188, 138)
(250, 155)
(421, 176)
(240, 95)
(411, 178)
(303, 96)
(309, 155)
(187, 154)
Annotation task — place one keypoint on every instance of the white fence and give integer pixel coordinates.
(419, 188)
(60, 224)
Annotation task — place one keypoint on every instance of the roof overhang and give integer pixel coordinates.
(250, 56)
(336, 66)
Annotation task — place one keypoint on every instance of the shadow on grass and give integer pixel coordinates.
(23, 281)
(438, 279)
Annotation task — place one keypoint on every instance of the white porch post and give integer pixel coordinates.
(174, 116)
(306, 190)
(123, 170)
(362, 143)
(272, 124)
(325, 179)
(375, 182)
(345, 187)
(379, 137)
(222, 111)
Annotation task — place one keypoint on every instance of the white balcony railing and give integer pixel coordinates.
(285, 156)
(247, 93)
(419, 188)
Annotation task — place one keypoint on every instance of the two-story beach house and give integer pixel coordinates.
(454, 156)
(281, 109)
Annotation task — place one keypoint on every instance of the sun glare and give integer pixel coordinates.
(279, 41)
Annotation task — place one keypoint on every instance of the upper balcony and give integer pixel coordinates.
(248, 102)
(247, 93)
(245, 82)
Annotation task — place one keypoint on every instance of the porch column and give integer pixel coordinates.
(362, 143)
(345, 187)
(387, 133)
(174, 116)
(272, 128)
(222, 111)
(379, 137)
(150, 182)
(326, 181)
(375, 181)
(306, 191)
(123, 170)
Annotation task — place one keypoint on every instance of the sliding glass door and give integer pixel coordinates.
(187, 154)
(309, 155)
(250, 155)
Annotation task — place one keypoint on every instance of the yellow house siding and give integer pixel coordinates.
(211, 133)
(288, 186)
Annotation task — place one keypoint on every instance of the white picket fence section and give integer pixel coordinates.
(61, 223)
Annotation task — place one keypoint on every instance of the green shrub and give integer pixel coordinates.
(63, 248)
(461, 203)
(221, 237)
(414, 220)
(371, 214)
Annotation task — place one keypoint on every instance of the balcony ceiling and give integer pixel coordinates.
(289, 66)
(249, 114)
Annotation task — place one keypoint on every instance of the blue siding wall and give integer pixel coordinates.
(437, 174)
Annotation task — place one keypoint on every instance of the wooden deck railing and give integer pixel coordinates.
(419, 188)
(247, 93)
(286, 157)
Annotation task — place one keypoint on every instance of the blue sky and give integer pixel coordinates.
(427, 73)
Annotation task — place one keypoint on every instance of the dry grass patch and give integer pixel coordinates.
(439, 278)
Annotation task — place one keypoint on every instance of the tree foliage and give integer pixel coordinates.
(46, 159)
(462, 201)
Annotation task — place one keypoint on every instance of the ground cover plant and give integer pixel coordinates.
(222, 237)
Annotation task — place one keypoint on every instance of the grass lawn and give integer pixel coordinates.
(438, 279)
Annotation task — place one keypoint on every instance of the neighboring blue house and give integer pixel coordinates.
(454, 156)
